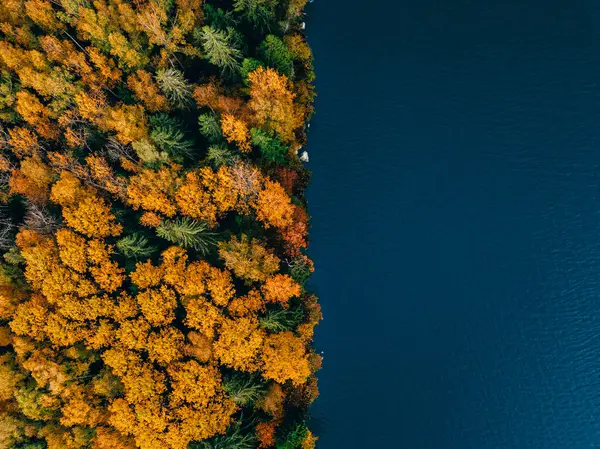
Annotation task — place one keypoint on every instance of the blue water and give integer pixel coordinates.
(456, 223)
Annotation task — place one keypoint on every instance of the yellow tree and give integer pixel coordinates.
(239, 343)
(272, 103)
(158, 305)
(92, 217)
(146, 90)
(36, 114)
(285, 358)
(129, 122)
(236, 131)
(194, 199)
(32, 180)
(280, 289)
(248, 259)
(274, 207)
(154, 190)
(22, 141)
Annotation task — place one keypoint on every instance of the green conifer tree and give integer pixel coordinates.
(210, 127)
(166, 135)
(269, 146)
(134, 246)
(175, 87)
(276, 54)
(219, 50)
(188, 234)
(244, 389)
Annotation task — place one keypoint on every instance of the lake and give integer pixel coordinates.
(456, 223)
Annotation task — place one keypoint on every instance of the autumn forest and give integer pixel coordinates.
(153, 225)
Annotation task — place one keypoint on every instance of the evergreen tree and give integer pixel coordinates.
(175, 87)
(134, 246)
(167, 136)
(292, 439)
(281, 319)
(188, 234)
(235, 438)
(249, 65)
(244, 389)
(219, 50)
(220, 155)
(300, 272)
(210, 127)
(260, 13)
(270, 146)
(218, 18)
(276, 54)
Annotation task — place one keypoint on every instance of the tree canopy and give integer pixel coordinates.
(153, 228)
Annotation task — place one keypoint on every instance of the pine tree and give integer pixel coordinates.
(260, 13)
(293, 438)
(276, 54)
(134, 246)
(175, 87)
(300, 272)
(249, 65)
(219, 49)
(270, 147)
(188, 234)
(281, 319)
(244, 389)
(220, 155)
(235, 438)
(210, 127)
(167, 136)
(218, 18)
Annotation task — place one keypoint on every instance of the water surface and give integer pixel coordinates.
(456, 223)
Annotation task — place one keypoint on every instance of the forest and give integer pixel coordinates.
(153, 226)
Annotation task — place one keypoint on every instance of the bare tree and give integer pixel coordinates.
(246, 180)
(6, 233)
(39, 219)
(115, 150)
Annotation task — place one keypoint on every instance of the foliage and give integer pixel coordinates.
(260, 13)
(272, 102)
(210, 127)
(270, 147)
(219, 50)
(300, 272)
(244, 389)
(276, 54)
(293, 438)
(281, 319)
(146, 180)
(167, 136)
(134, 246)
(284, 357)
(248, 259)
(219, 18)
(219, 155)
(187, 233)
(236, 131)
(235, 438)
(175, 87)
(249, 65)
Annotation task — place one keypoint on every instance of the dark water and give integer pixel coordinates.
(456, 223)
